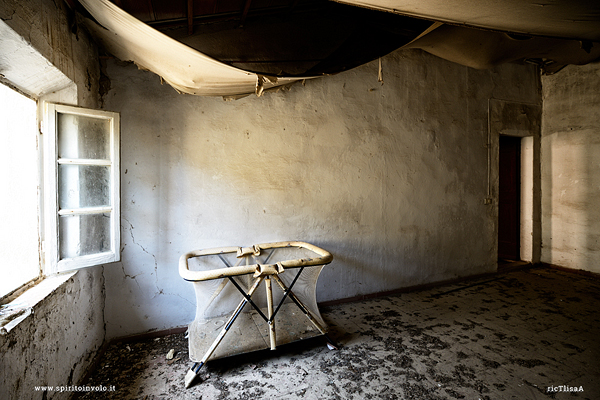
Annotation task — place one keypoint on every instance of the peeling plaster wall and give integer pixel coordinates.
(48, 27)
(57, 343)
(390, 178)
(571, 168)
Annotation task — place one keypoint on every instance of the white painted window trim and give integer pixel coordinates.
(53, 263)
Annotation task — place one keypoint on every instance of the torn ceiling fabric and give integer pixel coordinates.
(211, 52)
(220, 57)
(571, 19)
(316, 38)
(482, 49)
(184, 68)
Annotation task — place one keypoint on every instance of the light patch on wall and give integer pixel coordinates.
(19, 239)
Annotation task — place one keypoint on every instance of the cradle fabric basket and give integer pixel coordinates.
(234, 317)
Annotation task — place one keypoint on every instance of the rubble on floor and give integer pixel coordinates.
(526, 334)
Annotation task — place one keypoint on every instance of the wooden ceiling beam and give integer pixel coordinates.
(151, 10)
(190, 16)
(71, 4)
(245, 12)
(293, 5)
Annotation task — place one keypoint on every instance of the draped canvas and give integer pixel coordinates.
(184, 68)
(478, 34)
(571, 19)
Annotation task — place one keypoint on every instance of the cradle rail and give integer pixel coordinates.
(185, 273)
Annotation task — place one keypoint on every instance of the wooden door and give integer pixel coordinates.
(509, 207)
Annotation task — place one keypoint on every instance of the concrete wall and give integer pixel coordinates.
(571, 168)
(50, 28)
(527, 198)
(390, 178)
(57, 343)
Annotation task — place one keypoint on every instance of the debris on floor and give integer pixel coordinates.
(170, 354)
(528, 334)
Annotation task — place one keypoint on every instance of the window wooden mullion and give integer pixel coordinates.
(83, 161)
(85, 211)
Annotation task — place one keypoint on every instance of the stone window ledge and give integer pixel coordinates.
(24, 304)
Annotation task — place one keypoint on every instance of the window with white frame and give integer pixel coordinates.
(59, 198)
(81, 201)
(80, 222)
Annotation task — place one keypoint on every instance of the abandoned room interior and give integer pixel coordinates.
(438, 161)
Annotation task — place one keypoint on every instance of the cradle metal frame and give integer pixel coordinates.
(261, 273)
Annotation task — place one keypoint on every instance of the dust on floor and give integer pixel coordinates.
(530, 334)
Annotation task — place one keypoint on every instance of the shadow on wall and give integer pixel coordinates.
(332, 163)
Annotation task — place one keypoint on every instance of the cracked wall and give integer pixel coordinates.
(58, 342)
(390, 178)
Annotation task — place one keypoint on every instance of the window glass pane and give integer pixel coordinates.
(82, 163)
(82, 235)
(83, 186)
(83, 137)
(19, 239)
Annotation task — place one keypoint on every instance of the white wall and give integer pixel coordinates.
(58, 342)
(391, 179)
(527, 198)
(571, 168)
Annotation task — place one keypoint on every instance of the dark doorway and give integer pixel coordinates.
(509, 203)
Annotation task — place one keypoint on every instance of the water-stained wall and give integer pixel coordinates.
(571, 168)
(57, 343)
(392, 179)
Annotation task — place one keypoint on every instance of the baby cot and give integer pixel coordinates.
(233, 317)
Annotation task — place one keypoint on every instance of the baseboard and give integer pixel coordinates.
(148, 335)
(581, 272)
(425, 286)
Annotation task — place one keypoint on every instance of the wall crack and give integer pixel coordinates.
(131, 227)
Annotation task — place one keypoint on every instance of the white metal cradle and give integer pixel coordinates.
(276, 317)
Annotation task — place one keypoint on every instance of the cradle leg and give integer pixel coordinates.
(193, 372)
(331, 343)
(271, 321)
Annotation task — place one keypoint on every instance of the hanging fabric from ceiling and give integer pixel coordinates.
(317, 38)
(570, 19)
(478, 34)
(182, 67)
(482, 49)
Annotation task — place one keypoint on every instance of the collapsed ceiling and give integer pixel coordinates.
(237, 47)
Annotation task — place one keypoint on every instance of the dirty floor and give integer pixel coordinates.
(529, 334)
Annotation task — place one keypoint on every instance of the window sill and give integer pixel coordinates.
(25, 303)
